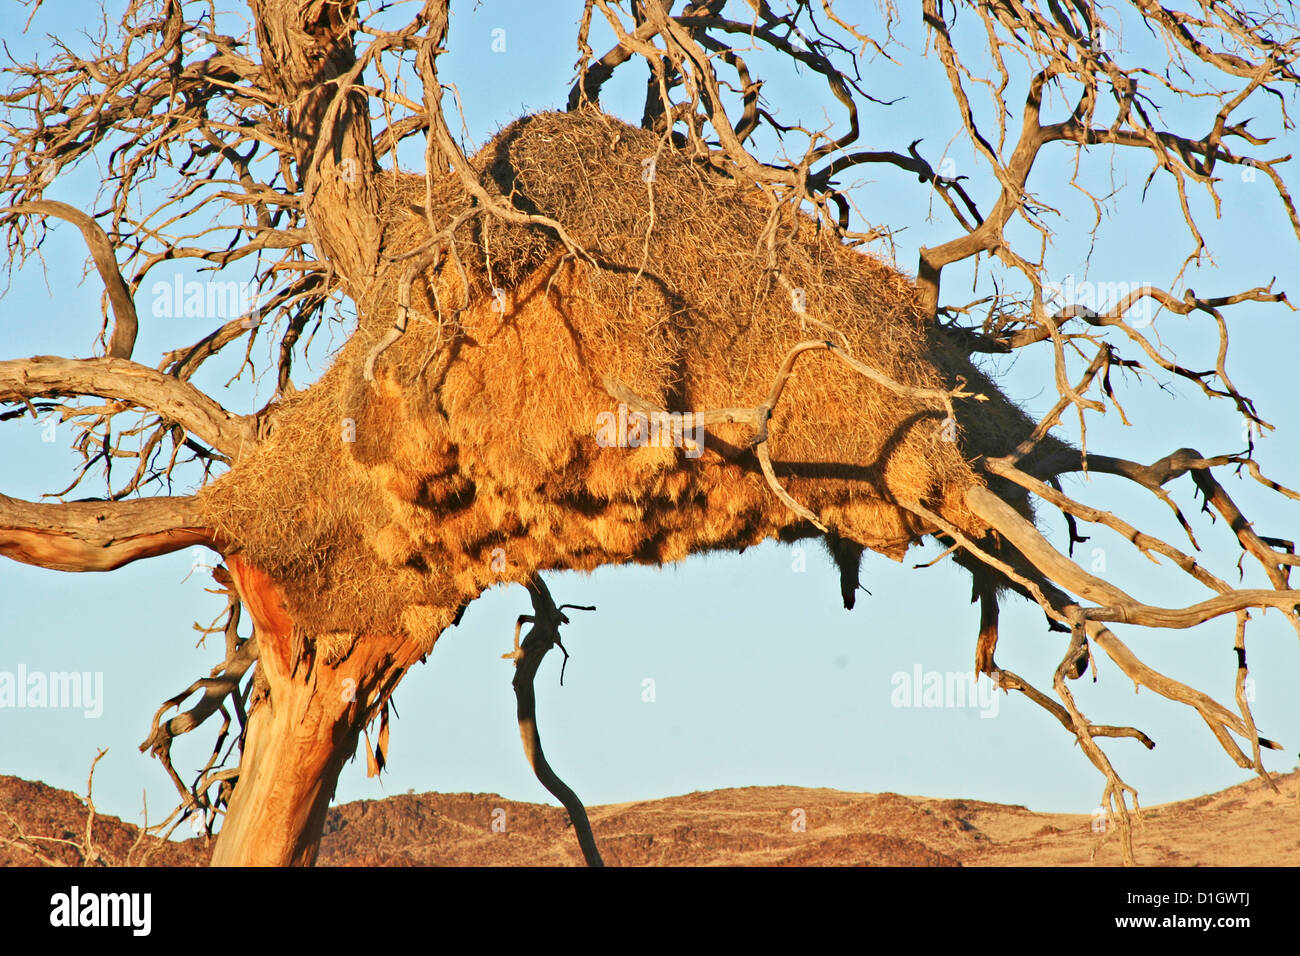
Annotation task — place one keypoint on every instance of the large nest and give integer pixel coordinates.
(477, 456)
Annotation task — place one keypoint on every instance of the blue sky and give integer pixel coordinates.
(757, 676)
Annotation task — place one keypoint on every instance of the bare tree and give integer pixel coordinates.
(358, 517)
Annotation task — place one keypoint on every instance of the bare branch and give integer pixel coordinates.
(527, 655)
(122, 342)
(177, 401)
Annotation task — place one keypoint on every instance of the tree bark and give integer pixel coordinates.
(303, 726)
(97, 535)
(309, 58)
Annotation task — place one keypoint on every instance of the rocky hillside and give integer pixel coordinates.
(1245, 825)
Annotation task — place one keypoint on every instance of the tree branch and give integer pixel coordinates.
(123, 380)
(97, 535)
(125, 325)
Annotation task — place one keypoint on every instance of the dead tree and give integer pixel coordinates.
(456, 441)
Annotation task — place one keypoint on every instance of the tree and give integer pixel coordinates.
(580, 346)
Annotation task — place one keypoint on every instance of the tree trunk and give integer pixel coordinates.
(303, 725)
(307, 713)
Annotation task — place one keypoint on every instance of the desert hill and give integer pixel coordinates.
(1245, 825)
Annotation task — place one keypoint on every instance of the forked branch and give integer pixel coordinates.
(527, 655)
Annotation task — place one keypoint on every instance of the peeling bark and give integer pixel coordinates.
(97, 535)
(302, 728)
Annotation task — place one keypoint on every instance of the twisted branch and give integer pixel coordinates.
(527, 655)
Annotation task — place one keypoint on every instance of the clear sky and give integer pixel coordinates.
(725, 670)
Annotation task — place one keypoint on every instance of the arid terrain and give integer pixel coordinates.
(1245, 825)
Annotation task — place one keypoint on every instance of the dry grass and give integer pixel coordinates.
(480, 431)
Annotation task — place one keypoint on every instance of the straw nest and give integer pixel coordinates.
(476, 456)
